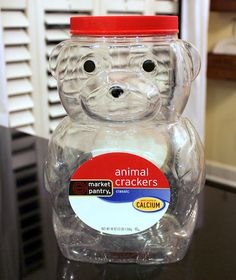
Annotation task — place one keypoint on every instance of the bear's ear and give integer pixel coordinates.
(58, 59)
(194, 59)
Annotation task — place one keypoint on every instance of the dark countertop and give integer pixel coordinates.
(28, 248)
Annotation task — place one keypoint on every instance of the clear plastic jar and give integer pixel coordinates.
(124, 169)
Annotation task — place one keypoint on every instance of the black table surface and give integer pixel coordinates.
(28, 248)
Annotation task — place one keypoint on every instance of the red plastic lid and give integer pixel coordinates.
(123, 25)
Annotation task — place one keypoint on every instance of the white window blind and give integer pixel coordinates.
(15, 37)
(18, 103)
(127, 7)
(53, 96)
(14, 19)
(56, 26)
(54, 123)
(133, 7)
(18, 70)
(21, 118)
(20, 53)
(165, 7)
(20, 86)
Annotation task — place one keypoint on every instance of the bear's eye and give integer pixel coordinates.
(89, 66)
(149, 65)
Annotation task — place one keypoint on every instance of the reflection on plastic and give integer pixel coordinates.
(68, 270)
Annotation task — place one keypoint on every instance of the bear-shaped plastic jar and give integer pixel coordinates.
(124, 169)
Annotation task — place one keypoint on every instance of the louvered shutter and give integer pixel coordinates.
(18, 71)
(165, 7)
(56, 19)
(127, 7)
(138, 7)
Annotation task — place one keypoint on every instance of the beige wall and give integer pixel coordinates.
(221, 101)
(220, 27)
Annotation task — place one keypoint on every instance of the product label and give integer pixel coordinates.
(119, 193)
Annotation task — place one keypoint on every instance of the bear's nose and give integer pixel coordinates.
(116, 91)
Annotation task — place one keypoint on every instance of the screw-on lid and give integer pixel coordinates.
(123, 25)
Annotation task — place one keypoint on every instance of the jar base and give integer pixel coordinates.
(163, 256)
(144, 248)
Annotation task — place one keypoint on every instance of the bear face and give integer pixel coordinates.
(122, 79)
